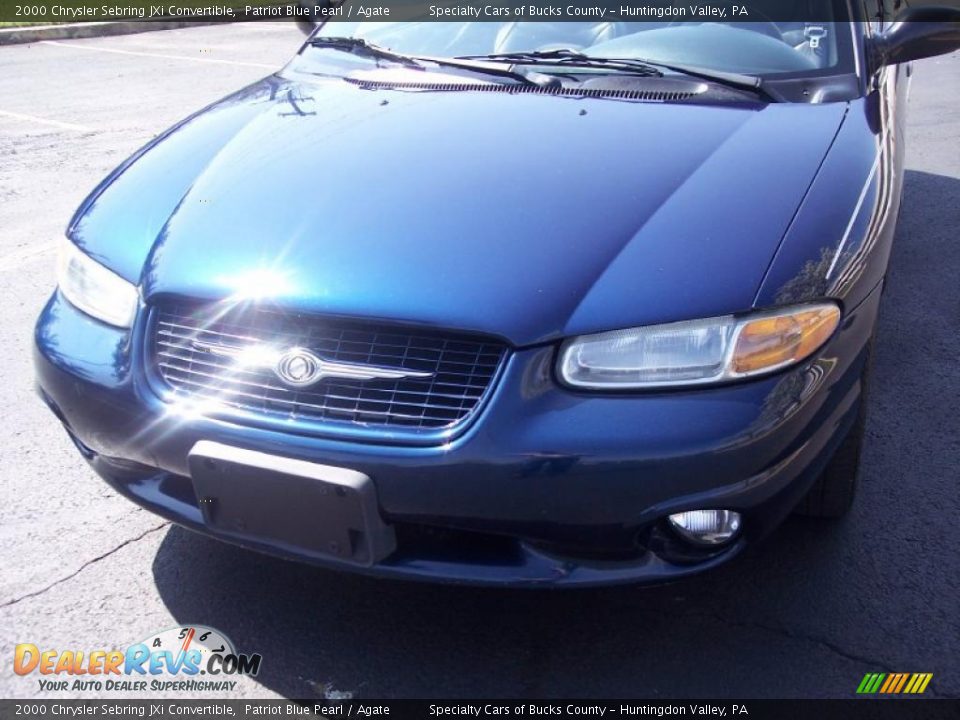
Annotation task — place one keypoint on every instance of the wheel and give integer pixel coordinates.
(832, 494)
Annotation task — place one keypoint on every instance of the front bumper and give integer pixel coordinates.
(546, 487)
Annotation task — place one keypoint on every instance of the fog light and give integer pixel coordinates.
(706, 527)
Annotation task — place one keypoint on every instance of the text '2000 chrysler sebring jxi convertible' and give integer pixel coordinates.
(562, 303)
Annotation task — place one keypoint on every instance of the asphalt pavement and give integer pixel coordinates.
(807, 614)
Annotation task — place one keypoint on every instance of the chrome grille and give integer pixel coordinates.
(462, 367)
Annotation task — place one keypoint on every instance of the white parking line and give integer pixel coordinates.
(90, 48)
(46, 121)
(28, 254)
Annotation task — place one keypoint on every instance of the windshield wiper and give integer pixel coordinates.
(364, 48)
(739, 81)
(571, 58)
(565, 57)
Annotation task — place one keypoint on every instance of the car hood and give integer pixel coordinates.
(527, 216)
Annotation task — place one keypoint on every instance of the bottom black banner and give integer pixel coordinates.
(429, 709)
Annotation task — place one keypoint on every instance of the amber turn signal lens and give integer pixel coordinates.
(776, 341)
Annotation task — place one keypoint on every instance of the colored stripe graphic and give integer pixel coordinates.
(869, 683)
(894, 683)
(922, 682)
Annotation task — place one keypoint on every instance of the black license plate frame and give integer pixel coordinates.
(302, 507)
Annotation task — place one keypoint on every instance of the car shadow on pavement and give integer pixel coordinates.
(322, 632)
(798, 616)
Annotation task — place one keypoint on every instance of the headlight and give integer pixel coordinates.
(93, 289)
(697, 352)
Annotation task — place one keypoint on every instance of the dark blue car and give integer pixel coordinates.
(520, 303)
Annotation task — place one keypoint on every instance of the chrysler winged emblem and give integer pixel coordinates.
(299, 367)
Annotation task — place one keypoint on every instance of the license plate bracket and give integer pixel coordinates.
(318, 510)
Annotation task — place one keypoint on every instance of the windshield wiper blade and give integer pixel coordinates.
(739, 81)
(359, 46)
(652, 68)
(364, 48)
(571, 58)
(464, 63)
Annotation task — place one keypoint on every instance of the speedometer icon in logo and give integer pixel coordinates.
(193, 650)
(180, 640)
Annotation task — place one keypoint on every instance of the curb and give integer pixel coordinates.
(67, 31)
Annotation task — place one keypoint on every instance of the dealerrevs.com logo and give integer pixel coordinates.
(189, 659)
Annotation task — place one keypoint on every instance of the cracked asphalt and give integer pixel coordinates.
(805, 615)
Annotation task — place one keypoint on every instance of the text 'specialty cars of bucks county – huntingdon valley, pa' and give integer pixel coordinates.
(515, 303)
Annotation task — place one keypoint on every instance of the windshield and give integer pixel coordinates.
(765, 48)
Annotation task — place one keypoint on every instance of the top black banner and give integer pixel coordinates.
(655, 11)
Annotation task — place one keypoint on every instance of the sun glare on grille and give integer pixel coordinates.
(458, 369)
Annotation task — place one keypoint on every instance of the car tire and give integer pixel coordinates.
(832, 494)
